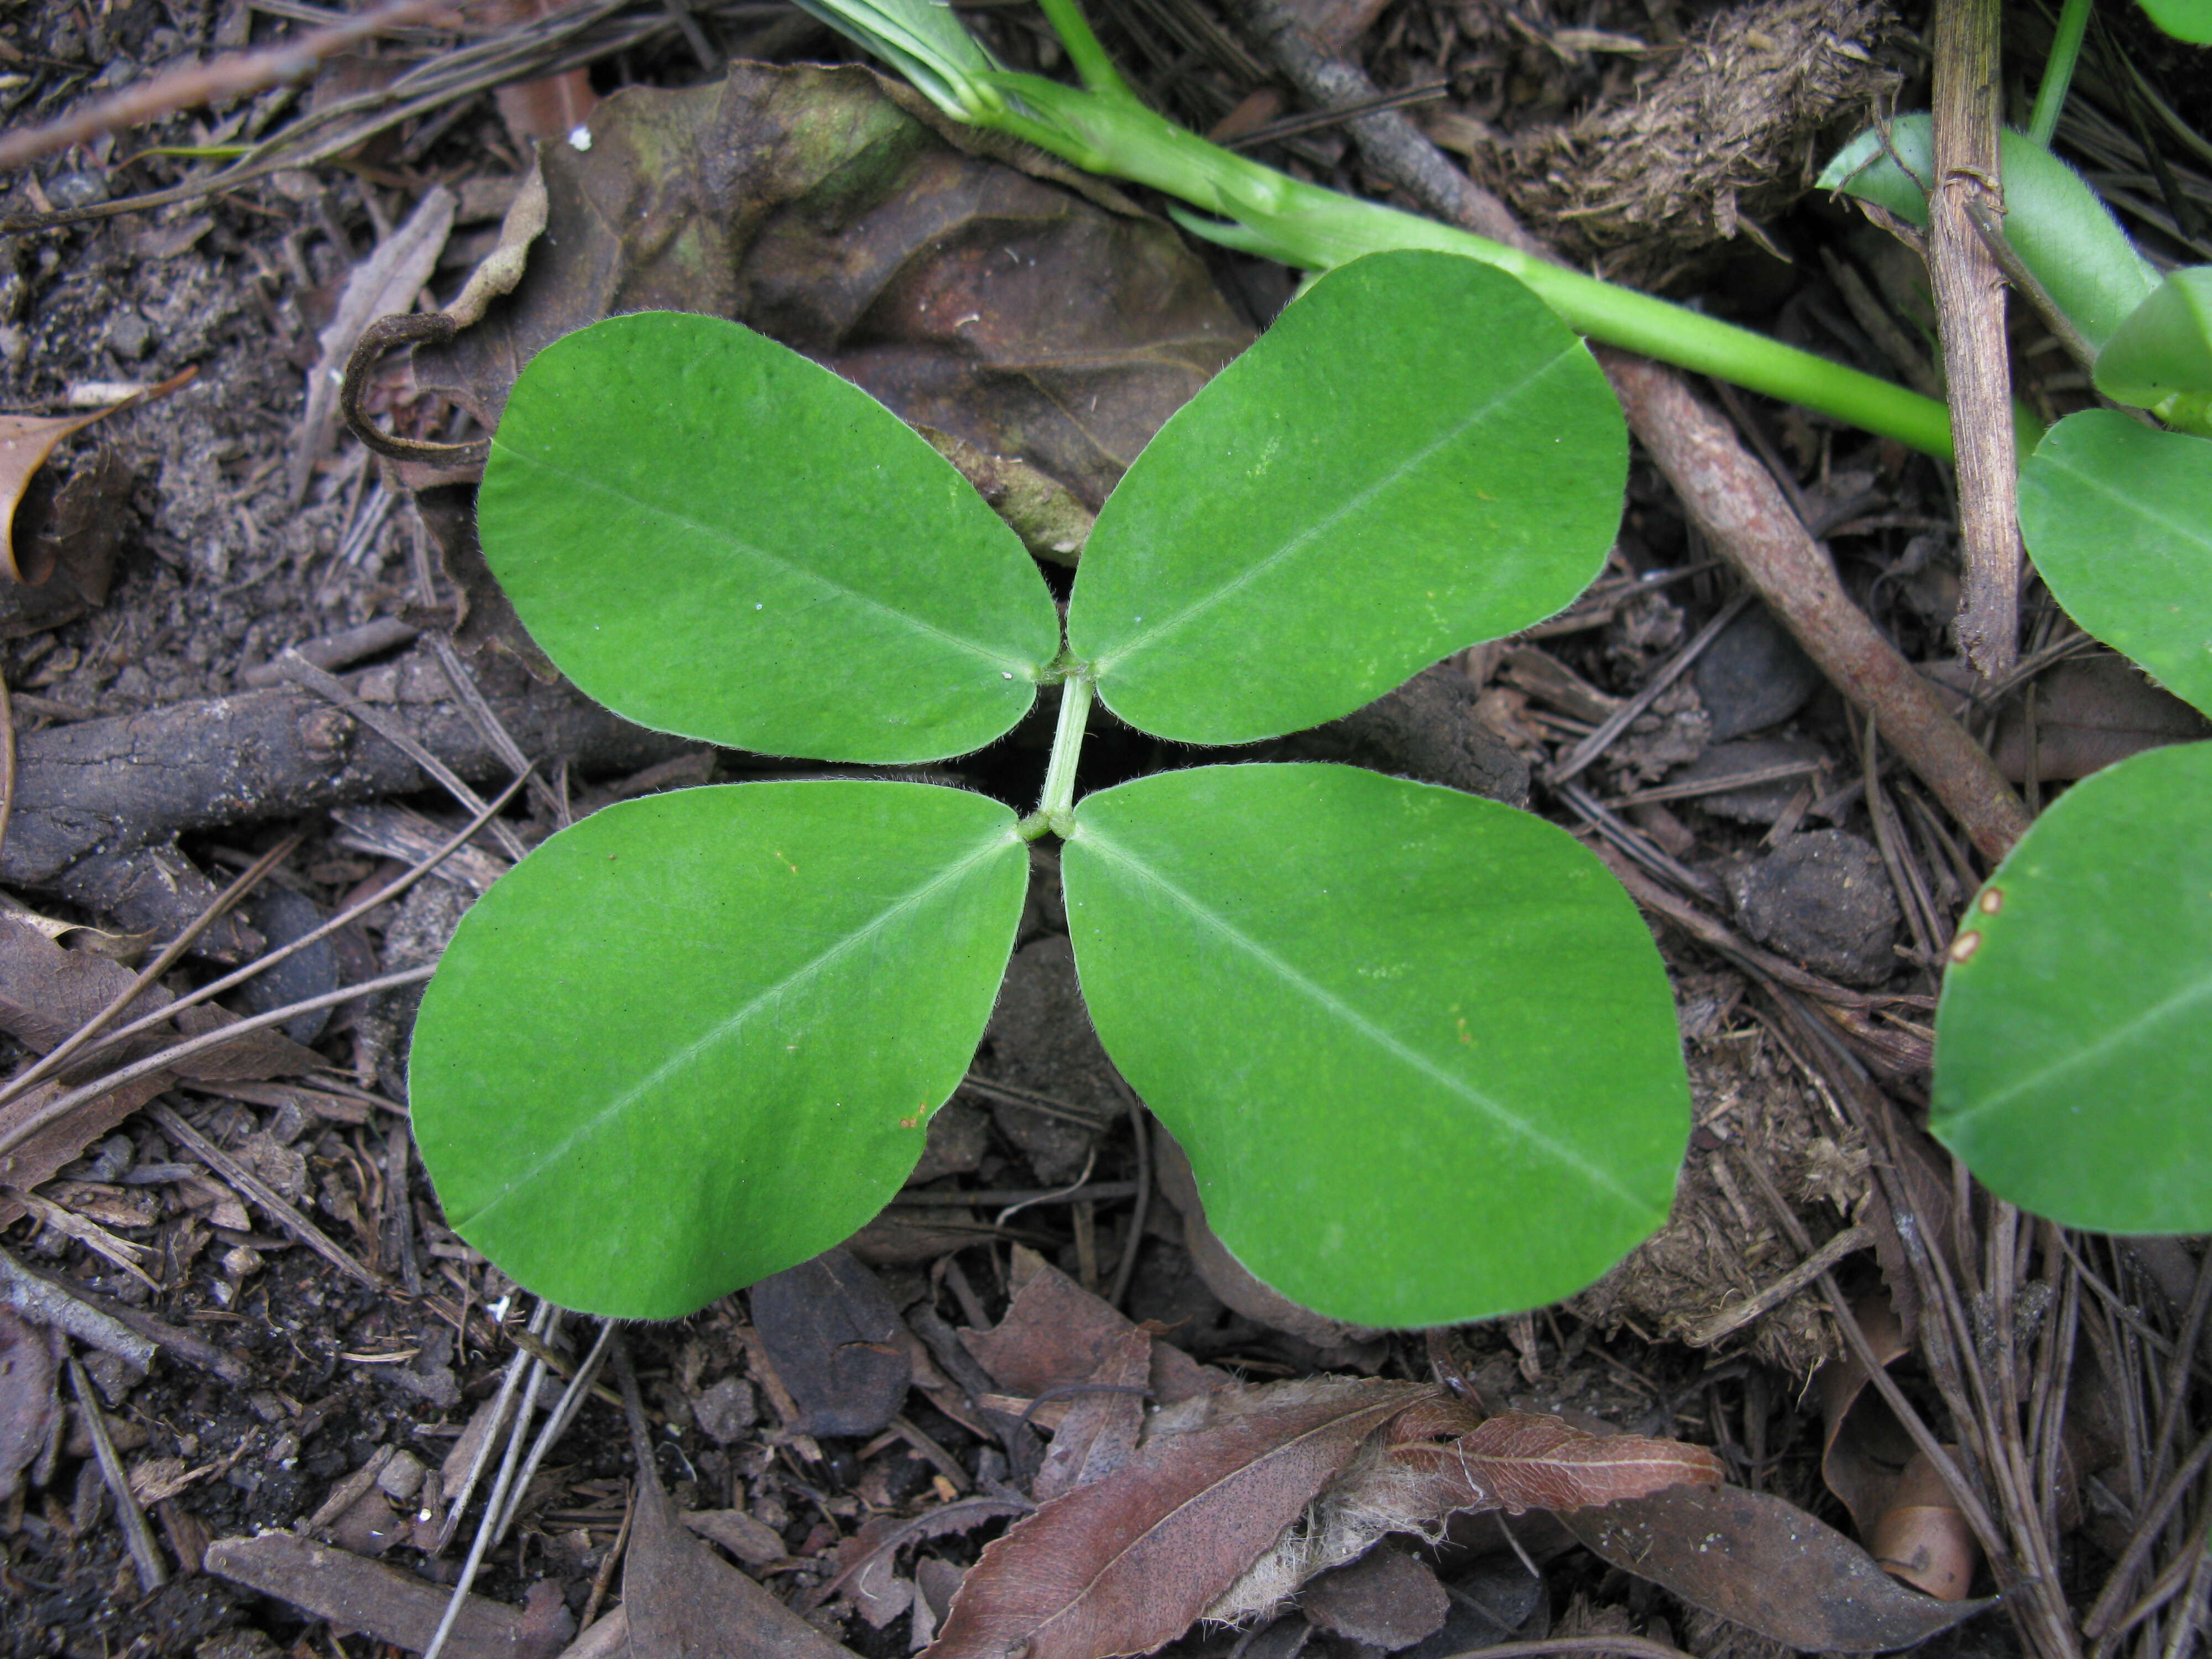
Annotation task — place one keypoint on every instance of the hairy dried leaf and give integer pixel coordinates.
(1517, 1462)
(1126, 1563)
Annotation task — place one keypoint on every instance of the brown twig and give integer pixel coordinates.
(1734, 501)
(77, 1309)
(63, 1105)
(6, 760)
(233, 77)
(1969, 319)
(1729, 496)
(81, 1044)
(59, 1056)
(145, 1554)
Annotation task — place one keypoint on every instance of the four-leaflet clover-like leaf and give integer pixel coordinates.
(1419, 1046)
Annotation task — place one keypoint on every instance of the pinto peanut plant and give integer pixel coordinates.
(1418, 1045)
(2073, 1038)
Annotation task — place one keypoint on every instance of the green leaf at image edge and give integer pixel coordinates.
(695, 1039)
(2073, 1038)
(2164, 349)
(1418, 455)
(1418, 1045)
(2118, 520)
(712, 535)
(2185, 20)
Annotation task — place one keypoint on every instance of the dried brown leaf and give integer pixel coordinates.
(2088, 714)
(1866, 1448)
(1517, 1461)
(1764, 1563)
(1128, 1562)
(1384, 1599)
(834, 1338)
(1923, 1538)
(549, 106)
(28, 1405)
(1439, 1457)
(26, 440)
(1099, 1433)
(683, 1600)
(1056, 1332)
(353, 1594)
(806, 203)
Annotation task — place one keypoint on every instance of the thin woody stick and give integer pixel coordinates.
(1970, 319)
(205, 83)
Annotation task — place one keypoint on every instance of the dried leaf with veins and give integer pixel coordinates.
(1128, 1562)
(1237, 1499)
(1517, 1462)
(1439, 1457)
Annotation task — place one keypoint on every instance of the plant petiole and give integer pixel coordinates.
(1056, 810)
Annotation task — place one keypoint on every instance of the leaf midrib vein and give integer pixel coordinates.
(698, 1046)
(1356, 503)
(2188, 533)
(719, 533)
(1388, 1041)
(2181, 999)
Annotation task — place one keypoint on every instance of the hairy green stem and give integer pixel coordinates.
(1057, 809)
(2058, 70)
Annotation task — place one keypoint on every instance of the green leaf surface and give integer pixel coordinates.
(715, 537)
(2165, 347)
(2118, 519)
(1418, 1045)
(693, 1039)
(1418, 455)
(2056, 224)
(2074, 1039)
(2185, 20)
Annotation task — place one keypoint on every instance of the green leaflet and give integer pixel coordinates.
(712, 535)
(693, 1039)
(1418, 1044)
(2074, 1039)
(2185, 20)
(2118, 519)
(2062, 232)
(1416, 456)
(2162, 355)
